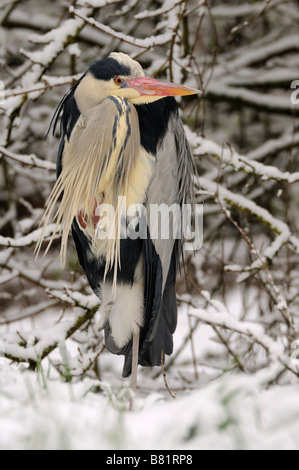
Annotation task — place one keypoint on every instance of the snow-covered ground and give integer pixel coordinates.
(230, 413)
(216, 410)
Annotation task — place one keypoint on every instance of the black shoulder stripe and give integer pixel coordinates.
(153, 121)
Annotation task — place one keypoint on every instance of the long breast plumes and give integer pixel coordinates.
(102, 160)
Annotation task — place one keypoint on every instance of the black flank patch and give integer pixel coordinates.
(130, 252)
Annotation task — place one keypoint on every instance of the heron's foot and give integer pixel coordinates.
(81, 219)
(96, 210)
(95, 213)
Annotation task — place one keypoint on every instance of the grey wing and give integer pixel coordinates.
(171, 186)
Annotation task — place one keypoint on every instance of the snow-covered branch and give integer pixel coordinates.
(30, 160)
(228, 156)
(267, 102)
(30, 239)
(217, 314)
(244, 10)
(146, 43)
(36, 345)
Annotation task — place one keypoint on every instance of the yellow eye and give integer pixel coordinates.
(118, 81)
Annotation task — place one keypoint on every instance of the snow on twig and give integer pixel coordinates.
(271, 103)
(217, 314)
(241, 163)
(98, 3)
(166, 8)
(236, 200)
(56, 40)
(38, 344)
(30, 160)
(260, 53)
(245, 9)
(47, 84)
(146, 43)
(29, 239)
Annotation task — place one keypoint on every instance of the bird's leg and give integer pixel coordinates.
(135, 356)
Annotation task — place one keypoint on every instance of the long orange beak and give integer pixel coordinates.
(153, 87)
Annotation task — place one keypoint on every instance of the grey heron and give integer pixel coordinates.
(121, 136)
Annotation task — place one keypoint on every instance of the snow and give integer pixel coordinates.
(30, 160)
(143, 43)
(168, 5)
(259, 100)
(273, 146)
(27, 240)
(5, 255)
(97, 3)
(231, 413)
(216, 411)
(240, 10)
(55, 81)
(74, 50)
(242, 202)
(246, 77)
(56, 38)
(24, 18)
(255, 55)
(221, 317)
(243, 163)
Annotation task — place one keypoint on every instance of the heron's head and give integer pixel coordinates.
(119, 75)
